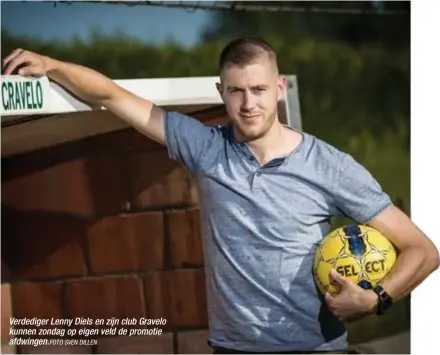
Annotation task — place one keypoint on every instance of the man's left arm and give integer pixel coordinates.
(359, 196)
(417, 257)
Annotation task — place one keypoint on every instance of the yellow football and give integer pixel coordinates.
(357, 252)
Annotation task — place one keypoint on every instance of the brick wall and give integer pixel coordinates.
(100, 228)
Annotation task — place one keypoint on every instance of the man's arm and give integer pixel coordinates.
(417, 259)
(417, 255)
(92, 87)
(359, 196)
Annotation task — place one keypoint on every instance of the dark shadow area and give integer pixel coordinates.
(87, 177)
(40, 245)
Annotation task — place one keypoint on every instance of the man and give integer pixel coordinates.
(268, 193)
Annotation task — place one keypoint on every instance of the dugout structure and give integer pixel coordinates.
(37, 113)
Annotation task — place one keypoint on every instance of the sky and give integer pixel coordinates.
(148, 23)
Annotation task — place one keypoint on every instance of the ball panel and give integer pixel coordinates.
(349, 267)
(365, 284)
(332, 248)
(378, 241)
(323, 278)
(355, 243)
(374, 265)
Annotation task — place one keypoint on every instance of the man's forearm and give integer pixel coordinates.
(418, 257)
(413, 265)
(87, 84)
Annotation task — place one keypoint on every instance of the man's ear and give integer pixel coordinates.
(282, 83)
(221, 89)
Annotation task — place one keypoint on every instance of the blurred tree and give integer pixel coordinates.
(383, 22)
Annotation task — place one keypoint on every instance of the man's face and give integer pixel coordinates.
(250, 94)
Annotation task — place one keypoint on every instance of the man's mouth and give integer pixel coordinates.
(249, 117)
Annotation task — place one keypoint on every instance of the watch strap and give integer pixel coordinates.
(384, 301)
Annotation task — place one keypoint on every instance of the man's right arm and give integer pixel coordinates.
(92, 87)
(186, 138)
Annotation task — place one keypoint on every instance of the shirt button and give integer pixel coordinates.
(258, 173)
(251, 158)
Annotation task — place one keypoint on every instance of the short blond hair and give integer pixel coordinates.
(244, 51)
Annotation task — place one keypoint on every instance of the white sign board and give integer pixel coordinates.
(24, 95)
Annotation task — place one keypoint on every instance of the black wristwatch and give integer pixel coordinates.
(384, 300)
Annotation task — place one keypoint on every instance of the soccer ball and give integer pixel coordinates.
(359, 253)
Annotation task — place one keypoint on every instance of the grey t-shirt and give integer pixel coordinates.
(260, 228)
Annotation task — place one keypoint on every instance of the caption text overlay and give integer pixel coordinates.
(79, 330)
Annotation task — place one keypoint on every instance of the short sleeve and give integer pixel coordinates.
(186, 139)
(357, 193)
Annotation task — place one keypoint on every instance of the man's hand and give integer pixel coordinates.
(29, 63)
(352, 302)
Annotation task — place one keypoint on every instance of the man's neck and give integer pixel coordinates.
(277, 143)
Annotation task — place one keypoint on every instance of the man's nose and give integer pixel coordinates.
(248, 102)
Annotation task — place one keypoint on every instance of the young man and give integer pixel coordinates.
(268, 193)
